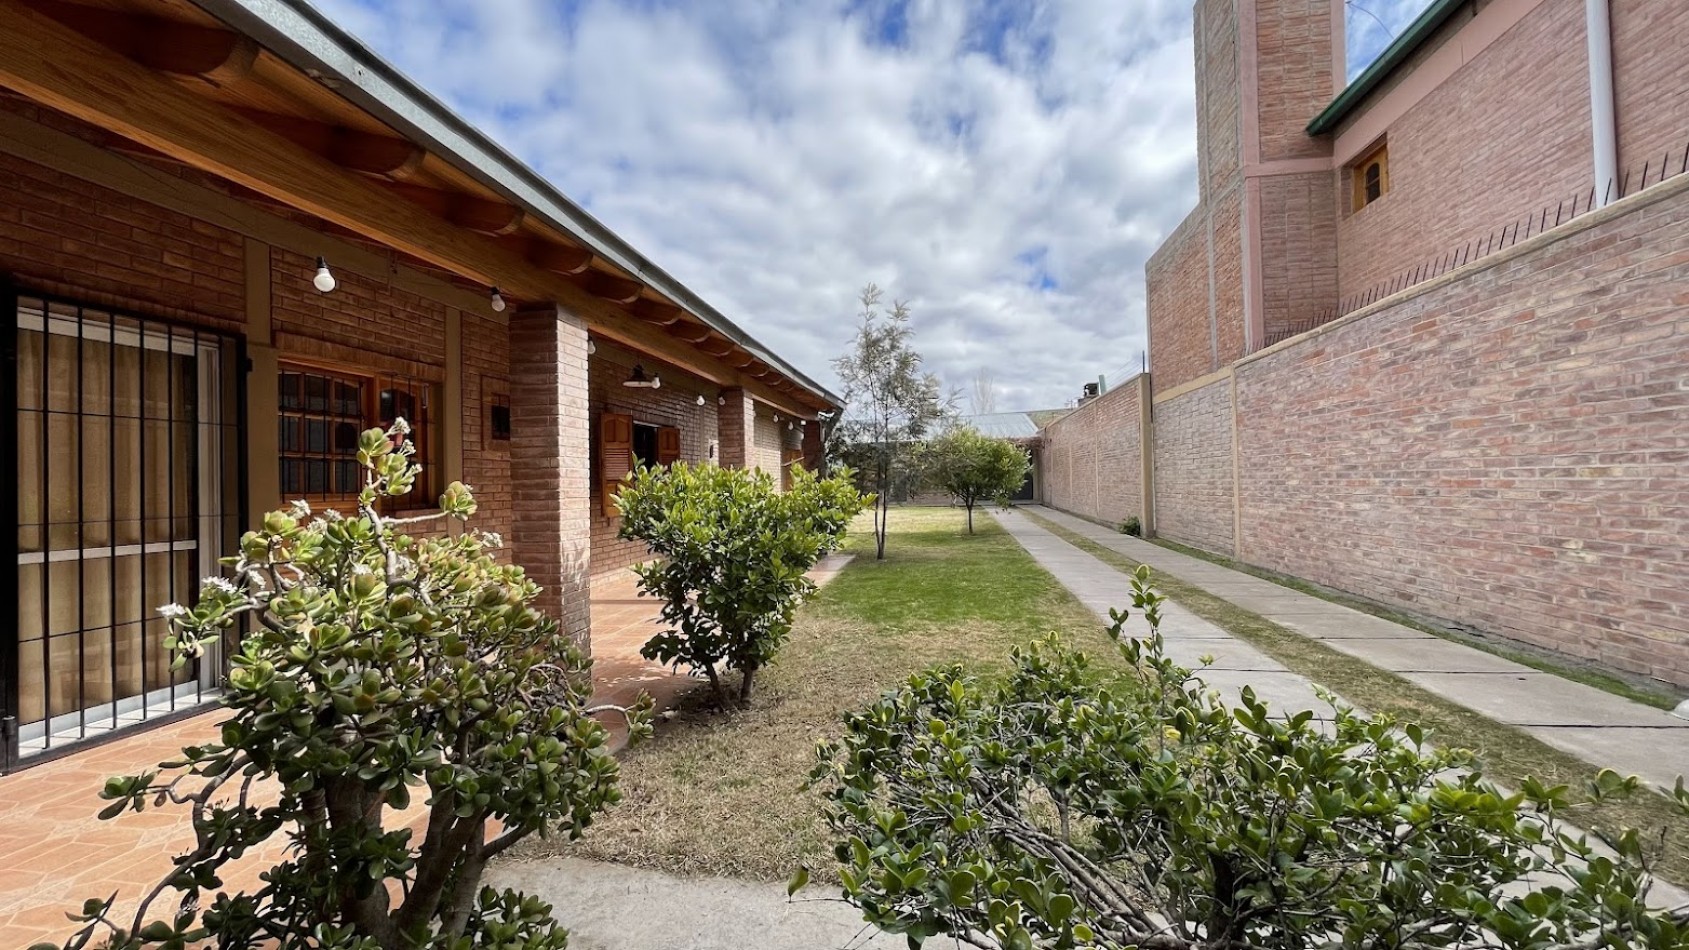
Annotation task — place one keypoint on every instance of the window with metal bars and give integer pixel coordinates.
(126, 487)
(323, 410)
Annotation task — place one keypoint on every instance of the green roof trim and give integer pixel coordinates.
(1394, 55)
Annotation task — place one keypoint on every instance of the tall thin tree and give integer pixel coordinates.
(891, 401)
(982, 398)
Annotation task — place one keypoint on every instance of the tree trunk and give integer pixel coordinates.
(745, 685)
(970, 517)
(715, 686)
(884, 506)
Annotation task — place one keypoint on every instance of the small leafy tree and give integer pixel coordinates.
(1060, 809)
(972, 467)
(891, 404)
(732, 552)
(382, 668)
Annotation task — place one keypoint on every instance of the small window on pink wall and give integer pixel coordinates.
(1370, 176)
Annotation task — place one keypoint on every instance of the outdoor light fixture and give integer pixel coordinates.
(591, 347)
(700, 400)
(497, 301)
(788, 427)
(776, 417)
(324, 281)
(638, 380)
(721, 400)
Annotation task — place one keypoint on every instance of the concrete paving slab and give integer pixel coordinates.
(610, 907)
(1229, 654)
(1325, 625)
(1628, 751)
(1426, 655)
(1543, 699)
(1283, 692)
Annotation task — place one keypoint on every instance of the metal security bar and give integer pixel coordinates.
(126, 488)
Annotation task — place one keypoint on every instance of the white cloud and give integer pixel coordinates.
(1005, 166)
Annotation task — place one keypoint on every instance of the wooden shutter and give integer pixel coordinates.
(792, 457)
(615, 457)
(668, 445)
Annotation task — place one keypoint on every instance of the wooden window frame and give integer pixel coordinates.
(614, 449)
(1379, 155)
(371, 384)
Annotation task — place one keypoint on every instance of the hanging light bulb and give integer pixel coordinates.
(497, 301)
(721, 400)
(324, 281)
(700, 400)
(591, 347)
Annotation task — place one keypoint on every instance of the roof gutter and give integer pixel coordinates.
(1393, 56)
(312, 43)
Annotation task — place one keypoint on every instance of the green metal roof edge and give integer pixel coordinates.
(1394, 55)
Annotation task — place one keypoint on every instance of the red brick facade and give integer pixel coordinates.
(1195, 482)
(1506, 449)
(674, 404)
(1505, 135)
(1092, 460)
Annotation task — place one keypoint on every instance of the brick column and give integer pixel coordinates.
(550, 462)
(812, 445)
(736, 428)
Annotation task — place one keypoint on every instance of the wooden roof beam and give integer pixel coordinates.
(474, 214)
(565, 259)
(656, 311)
(183, 49)
(617, 290)
(690, 332)
(384, 156)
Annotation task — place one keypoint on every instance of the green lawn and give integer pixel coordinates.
(720, 793)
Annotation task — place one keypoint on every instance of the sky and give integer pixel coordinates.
(1004, 166)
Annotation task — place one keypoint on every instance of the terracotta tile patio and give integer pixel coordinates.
(54, 854)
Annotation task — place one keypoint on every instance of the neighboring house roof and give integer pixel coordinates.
(1397, 53)
(1003, 425)
(1043, 417)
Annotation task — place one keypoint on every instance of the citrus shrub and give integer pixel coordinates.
(732, 552)
(1065, 808)
(380, 670)
(973, 468)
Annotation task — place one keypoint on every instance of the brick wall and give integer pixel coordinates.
(1294, 75)
(364, 314)
(1194, 495)
(675, 404)
(1218, 99)
(486, 463)
(1650, 80)
(1502, 137)
(768, 441)
(1176, 287)
(1091, 463)
(1508, 450)
(68, 236)
(1299, 249)
(1227, 275)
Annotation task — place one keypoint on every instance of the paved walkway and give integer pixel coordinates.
(610, 907)
(1601, 728)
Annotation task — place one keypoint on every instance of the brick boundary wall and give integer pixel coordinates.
(1091, 463)
(1506, 447)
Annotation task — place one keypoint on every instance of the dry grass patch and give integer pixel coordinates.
(721, 793)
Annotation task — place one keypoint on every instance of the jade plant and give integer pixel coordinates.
(378, 673)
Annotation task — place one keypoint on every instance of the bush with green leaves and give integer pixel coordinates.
(381, 670)
(972, 467)
(1132, 526)
(1072, 806)
(732, 553)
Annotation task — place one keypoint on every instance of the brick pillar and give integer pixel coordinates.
(550, 462)
(812, 445)
(736, 426)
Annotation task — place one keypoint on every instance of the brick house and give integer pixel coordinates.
(1421, 339)
(231, 237)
